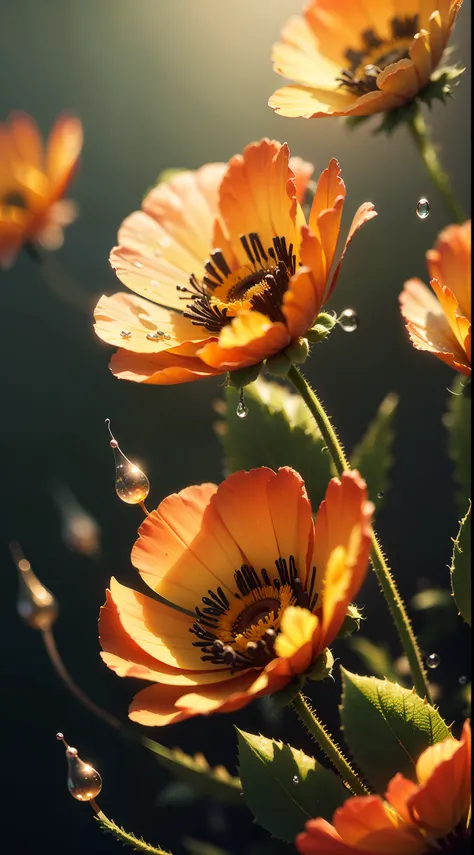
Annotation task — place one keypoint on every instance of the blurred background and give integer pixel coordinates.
(161, 84)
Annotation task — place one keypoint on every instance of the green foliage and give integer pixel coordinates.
(387, 727)
(127, 839)
(460, 569)
(284, 787)
(279, 431)
(373, 455)
(376, 657)
(215, 782)
(458, 423)
(200, 847)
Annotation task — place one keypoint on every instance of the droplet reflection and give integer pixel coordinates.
(348, 320)
(131, 484)
(423, 209)
(83, 781)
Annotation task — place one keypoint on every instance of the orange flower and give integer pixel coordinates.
(358, 58)
(432, 815)
(443, 325)
(234, 273)
(266, 588)
(33, 181)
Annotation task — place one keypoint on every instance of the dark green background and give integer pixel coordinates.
(162, 83)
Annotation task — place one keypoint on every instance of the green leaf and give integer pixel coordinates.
(458, 423)
(284, 787)
(215, 782)
(387, 727)
(376, 657)
(373, 455)
(460, 569)
(278, 431)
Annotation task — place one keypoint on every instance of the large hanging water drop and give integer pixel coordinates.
(83, 781)
(348, 320)
(433, 660)
(35, 604)
(131, 484)
(423, 209)
(242, 410)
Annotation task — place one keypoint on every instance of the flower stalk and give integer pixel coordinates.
(125, 837)
(327, 744)
(420, 135)
(379, 564)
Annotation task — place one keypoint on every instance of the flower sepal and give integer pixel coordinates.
(321, 328)
(283, 698)
(351, 623)
(278, 365)
(298, 352)
(442, 82)
(321, 667)
(243, 376)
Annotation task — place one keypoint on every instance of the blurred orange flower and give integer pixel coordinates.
(33, 179)
(233, 271)
(443, 325)
(267, 587)
(357, 58)
(432, 815)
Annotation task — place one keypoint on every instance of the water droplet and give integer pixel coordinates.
(242, 411)
(423, 209)
(138, 265)
(296, 780)
(125, 334)
(371, 70)
(462, 680)
(380, 495)
(36, 606)
(131, 484)
(433, 660)
(348, 320)
(83, 781)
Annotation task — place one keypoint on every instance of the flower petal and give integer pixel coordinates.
(399, 790)
(26, 139)
(184, 548)
(247, 340)
(258, 194)
(62, 154)
(242, 501)
(302, 170)
(312, 103)
(160, 369)
(450, 263)
(124, 656)
(363, 214)
(302, 301)
(156, 706)
(159, 630)
(399, 79)
(341, 549)
(291, 516)
(294, 641)
(127, 321)
(444, 797)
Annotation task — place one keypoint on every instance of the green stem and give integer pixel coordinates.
(379, 564)
(125, 837)
(327, 744)
(420, 134)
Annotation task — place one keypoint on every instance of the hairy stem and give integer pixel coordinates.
(420, 135)
(327, 744)
(379, 564)
(125, 837)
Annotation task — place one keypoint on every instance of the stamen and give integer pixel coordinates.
(245, 244)
(219, 259)
(376, 54)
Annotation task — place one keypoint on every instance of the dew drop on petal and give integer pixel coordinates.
(433, 660)
(125, 334)
(348, 320)
(423, 209)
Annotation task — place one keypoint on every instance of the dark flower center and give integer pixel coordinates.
(365, 64)
(261, 282)
(239, 630)
(14, 199)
